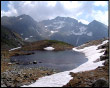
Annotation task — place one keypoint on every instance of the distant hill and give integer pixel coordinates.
(24, 25)
(40, 45)
(10, 39)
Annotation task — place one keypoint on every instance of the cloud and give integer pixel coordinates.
(101, 16)
(42, 10)
(100, 3)
(83, 21)
(11, 12)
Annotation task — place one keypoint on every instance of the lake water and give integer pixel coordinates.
(59, 60)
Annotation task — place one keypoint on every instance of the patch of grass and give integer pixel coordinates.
(40, 45)
(57, 42)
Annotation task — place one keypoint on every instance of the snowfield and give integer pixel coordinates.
(49, 48)
(62, 78)
(26, 38)
(14, 48)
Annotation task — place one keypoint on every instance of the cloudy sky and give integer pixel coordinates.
(84, 11)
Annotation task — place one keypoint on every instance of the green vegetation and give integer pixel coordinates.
(58, 42)
(40, 45)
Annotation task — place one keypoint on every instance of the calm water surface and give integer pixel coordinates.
(59, 60)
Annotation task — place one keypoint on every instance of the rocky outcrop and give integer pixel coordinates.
(102, 82)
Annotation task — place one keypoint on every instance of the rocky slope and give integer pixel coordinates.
(10, 39)
(24, 25)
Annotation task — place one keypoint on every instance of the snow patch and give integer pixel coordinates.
(46, 29)
(14, 48)
(21, 33)
(60, 23)
(59, 27)
(82, 30)
(53, 31)
(20, 18)
(104, 42)
(30, 36)
(49, 48)
(89, 34)
(26, 38)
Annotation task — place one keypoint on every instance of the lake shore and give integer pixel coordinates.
(14, 76)
(60, 79)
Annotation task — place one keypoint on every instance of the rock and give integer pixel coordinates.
(96, 60)
(30, 74)
(9, 84)
(104, 57)
(40, 62)
(16, 54)
(48, 74)
(18, 85)
(102, 82)
(106, 62)
(35, 62)
(3, 85)
(17, 63)
(25, 76)
(30, 53)
(30, 62)
(9, 63)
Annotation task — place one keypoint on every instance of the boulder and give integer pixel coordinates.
(102, 82)
(9, 63)
(104, 57)
(35, 62)
(106, 62)
(3, 85)
(40, 62)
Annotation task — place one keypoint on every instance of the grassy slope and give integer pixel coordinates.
(40, 45)
(9, 39)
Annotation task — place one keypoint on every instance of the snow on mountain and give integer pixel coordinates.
(20, 18)
(14, 48)
(53, 32)
(82, 30)
(26, 38)
(60, 28)
(21, 33)
(89, 34)
(30, 36)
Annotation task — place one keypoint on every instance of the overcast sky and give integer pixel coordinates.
(84, 11)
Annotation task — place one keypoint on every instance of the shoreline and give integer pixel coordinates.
(62, 78)
(59, 79)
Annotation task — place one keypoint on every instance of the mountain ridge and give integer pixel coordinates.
(65, 29)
